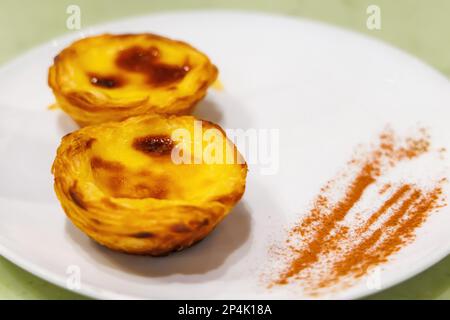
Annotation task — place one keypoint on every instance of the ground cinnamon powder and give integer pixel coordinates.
(327, 251)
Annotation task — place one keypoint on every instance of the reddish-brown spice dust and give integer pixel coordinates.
(342, 252)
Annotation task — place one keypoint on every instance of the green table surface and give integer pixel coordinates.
(417, 26)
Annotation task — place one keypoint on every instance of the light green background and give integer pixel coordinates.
(420, 27)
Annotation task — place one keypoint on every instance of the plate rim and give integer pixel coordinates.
(93, 291)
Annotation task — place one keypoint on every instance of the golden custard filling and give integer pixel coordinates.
(142, 186)
(112, 77)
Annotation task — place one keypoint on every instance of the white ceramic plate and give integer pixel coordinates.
(325, 89)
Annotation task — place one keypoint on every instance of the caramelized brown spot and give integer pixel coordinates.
(109, 203)
(108, 82)
(157, 191)
(137, 59)
(96, 221)
(180, 228)
(116, 180)
(99, 163)
(116, 184)
(146, 61)
(198, 224)
(143, 235)
(76, 197)
(163, 74)
(89, 143)
(154, 145)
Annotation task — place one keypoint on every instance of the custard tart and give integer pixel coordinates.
(113, 77)
(149, 185)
